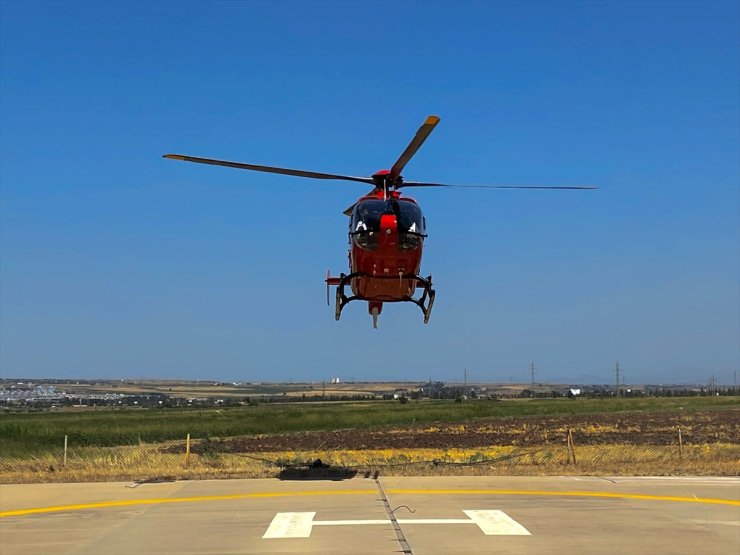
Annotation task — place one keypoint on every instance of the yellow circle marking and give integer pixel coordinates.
(602, 494)
(160, 501)
(264, 495)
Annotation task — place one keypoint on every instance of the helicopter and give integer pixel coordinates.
(386, 232)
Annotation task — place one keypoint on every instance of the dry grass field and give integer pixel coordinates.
(146, 462)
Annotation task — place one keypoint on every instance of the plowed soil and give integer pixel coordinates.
(638, 428)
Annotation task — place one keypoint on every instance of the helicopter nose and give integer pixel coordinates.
(388, 230)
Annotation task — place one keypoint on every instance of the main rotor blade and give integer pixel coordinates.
(414, 145)
(268, 169)
(563, 187)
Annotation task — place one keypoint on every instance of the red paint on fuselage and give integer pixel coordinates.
(383, 268)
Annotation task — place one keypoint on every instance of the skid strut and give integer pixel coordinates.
(425, 302)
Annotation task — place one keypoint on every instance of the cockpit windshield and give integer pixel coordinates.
(408, 215)
(365, 222)
(366, 215)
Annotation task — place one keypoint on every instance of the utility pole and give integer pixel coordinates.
(532, 368)
(465, 380)
(616, 371)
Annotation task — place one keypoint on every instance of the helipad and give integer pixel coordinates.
(395, 514)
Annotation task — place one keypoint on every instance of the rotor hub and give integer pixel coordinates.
(383, 179)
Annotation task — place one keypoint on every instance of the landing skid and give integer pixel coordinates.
(425, 302)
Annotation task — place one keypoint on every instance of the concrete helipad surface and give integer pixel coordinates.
(554, 515)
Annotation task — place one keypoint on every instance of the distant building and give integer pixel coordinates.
(432, 389)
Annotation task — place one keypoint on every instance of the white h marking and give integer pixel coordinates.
(497, 523)
(290, 525)
(299, 525)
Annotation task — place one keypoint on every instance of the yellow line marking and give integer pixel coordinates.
(398, 491)
(159, 501)
(602, 494)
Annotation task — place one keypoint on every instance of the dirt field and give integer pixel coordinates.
(697, 427)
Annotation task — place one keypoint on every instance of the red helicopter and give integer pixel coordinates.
(386, 233)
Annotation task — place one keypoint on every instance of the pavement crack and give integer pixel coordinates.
(405, 547)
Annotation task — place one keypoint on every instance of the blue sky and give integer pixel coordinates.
(117, 263)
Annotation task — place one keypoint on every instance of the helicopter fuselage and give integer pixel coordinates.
(386, 241)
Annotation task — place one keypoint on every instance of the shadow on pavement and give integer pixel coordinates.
(317, 470)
